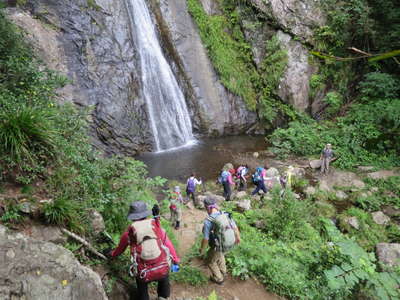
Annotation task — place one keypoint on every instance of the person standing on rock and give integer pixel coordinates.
(175, 208)
(221, 234)
(191, 187)
(326, 158)
(151, 251)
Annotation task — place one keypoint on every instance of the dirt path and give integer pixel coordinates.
(232, 289)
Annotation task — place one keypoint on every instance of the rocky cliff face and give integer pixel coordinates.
(90, 42)
(33, 269)
(216, 110)
(293, 22)
(92, 46)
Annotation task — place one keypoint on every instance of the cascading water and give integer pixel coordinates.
(168, 113)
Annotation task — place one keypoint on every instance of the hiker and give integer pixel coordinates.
(326, 157)
(226, 180)
(221, 234)
(258, 180)
(175, 203)
(151, 250)
(191, 187)
(241, 175)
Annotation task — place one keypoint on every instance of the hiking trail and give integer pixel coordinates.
(232, 288)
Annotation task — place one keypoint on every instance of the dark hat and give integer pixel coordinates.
(210, 200)
(138, 210)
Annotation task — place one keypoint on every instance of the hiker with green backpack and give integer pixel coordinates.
(221, 234)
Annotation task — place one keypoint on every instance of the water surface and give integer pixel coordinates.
(205, 159)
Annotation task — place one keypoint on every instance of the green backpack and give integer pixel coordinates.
(223, 231)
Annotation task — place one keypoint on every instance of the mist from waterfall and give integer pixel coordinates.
(168, 113)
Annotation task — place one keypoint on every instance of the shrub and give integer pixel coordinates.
(26, 133)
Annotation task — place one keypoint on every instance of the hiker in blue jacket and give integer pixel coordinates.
(191, 187)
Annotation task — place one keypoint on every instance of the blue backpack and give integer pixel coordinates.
(257, 175)
(191, 186)
(223, 177)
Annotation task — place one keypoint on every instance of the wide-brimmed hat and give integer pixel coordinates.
(138, 210)
(209, 200)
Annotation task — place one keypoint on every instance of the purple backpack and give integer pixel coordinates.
(191, 186)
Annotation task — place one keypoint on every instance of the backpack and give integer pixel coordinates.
(150, 258)
(191, 186)
(223, 232)
(223, 177)
(240, 170)
(257, 175)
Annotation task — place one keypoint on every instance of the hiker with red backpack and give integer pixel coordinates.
(221, 234)
(151, 251)
(191, 188)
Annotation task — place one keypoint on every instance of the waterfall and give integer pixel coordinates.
(168, 113)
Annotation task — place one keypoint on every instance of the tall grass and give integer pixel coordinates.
(25, 133)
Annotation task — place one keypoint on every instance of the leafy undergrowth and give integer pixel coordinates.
(304, 257)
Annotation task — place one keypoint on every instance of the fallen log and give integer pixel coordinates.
(83, 242)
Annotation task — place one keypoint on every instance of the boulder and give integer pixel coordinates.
(298, 172)
(33, 269)
(243, 205)
(309, 190)
(96, 222)
(240, 195)
(341, 195)
(46, 233)
(272, 172)
(315, 164)
(388, 254)
(383, 174)
(340, 179)
(380, 218)
(352, 221)
(391, 211)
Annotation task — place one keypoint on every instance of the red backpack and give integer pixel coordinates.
(150, 257)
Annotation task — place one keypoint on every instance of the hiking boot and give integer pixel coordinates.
(217, 282)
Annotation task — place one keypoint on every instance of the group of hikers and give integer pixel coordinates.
(153, 255)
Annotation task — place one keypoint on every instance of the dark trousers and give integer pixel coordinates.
(163, 289)
(191, 195)
(242, 185)
(227, 190)
(260, 186)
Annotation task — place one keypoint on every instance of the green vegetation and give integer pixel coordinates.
(305, 257)
(367, 134)
(362, 114)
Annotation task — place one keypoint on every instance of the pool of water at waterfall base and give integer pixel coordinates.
(205, 159)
